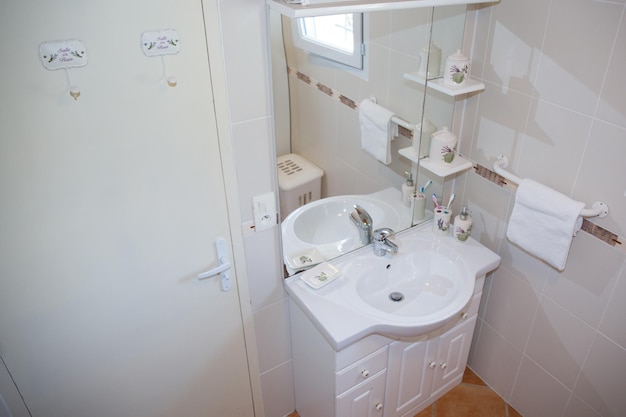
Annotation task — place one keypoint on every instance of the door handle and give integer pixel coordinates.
(223, 265)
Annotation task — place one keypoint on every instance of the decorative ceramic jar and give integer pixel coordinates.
(442, 147)
(457, 69)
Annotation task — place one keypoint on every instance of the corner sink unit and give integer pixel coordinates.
(406, 295)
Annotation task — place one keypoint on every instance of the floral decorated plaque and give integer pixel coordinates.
(160, 42)
(69, 53)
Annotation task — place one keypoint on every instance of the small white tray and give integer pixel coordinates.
(305, 259)
(321, 275)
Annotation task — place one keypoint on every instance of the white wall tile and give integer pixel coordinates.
(277, 388)
(511, 307)
(265, 268)
(613, 97)
(536, 393)
(565, 77)
(578, 408)
(512, 56)
(602, 384)
(252, 149)
(613, 324)
(584, 287)
(273, 337)
(501, 119)
(553, 145)
(245, 42)
(559, 342)
(496, 360)
(602, 174)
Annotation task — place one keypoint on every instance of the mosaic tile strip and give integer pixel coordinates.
(325, 89)
(601, 233)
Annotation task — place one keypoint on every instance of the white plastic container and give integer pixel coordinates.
(299, 182)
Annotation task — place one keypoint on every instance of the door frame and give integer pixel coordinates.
(212, 28)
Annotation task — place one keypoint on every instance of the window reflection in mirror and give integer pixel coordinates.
(336, 37)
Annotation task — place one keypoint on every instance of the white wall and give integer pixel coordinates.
(243, 26)
(552, 344)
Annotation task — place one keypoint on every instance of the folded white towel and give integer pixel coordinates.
(377, 130)
(543, 222)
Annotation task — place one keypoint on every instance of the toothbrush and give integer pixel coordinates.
(450, 202)
(426, 186)
(437, 206)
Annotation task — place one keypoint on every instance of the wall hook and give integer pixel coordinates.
(160, 43)
(64, 55)
(171, 80)
(74, 89)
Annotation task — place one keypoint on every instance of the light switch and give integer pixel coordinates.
(264, 209)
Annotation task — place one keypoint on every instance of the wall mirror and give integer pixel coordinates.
(316, 107)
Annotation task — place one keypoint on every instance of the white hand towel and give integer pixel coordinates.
(377, 130)
(544, 222)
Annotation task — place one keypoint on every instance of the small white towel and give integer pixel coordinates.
(377, 130)
(544, 222)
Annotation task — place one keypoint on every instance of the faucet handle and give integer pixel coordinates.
(383, 234)
(361, 216)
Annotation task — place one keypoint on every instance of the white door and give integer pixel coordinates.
(109, 207)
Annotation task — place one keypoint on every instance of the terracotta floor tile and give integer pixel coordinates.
(513, 412)
(470, 401)
(469, 377)
(427, 412)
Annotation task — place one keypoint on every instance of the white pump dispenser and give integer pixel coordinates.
(408, 188)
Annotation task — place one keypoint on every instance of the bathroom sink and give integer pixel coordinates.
(416, 283)
(324, 225)
(412, 293)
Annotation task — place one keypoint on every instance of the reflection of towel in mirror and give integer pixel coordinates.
(377, 130)
(543, 222)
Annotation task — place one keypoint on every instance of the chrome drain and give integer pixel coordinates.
(396, 296)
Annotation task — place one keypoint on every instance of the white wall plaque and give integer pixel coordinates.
(69, 53)
(160, 42)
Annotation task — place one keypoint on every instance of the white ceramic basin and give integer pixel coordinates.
(419, 282)
(434, 275)
(324, 225)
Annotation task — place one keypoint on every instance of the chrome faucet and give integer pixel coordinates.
(363, 221)
(382, 243)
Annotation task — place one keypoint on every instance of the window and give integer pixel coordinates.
(337, 37)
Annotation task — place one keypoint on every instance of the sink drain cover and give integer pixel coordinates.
(396, 296)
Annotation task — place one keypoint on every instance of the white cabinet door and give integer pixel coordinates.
(366, 400)
(111, 205)
(410, 376)
(452, 354)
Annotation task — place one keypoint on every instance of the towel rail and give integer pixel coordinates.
(403, 123)
(598, 209)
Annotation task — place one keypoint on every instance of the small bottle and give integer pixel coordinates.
(463, 225)
(408, 188)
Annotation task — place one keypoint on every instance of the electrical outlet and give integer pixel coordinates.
(264, 209)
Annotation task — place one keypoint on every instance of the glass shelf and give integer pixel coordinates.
(328, 7)
(437, 84)
(458, 164)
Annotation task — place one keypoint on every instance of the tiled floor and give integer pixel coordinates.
(471, 398)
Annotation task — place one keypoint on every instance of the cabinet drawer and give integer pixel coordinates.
(361, 371)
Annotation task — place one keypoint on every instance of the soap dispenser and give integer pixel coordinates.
(463, 225)
(408, 188)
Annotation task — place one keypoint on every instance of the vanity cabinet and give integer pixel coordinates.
(378, 376)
